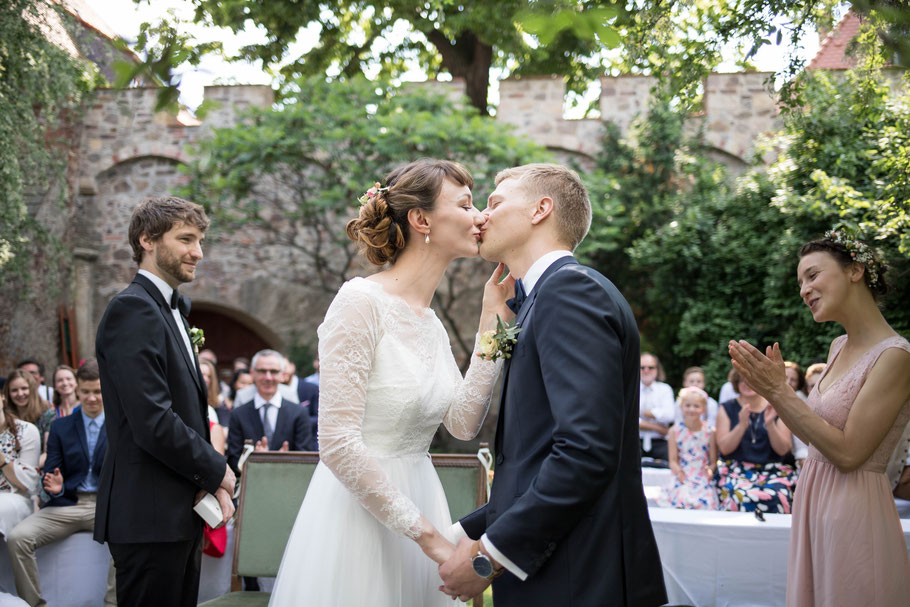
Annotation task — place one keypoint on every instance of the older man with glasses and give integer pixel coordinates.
(656, 409)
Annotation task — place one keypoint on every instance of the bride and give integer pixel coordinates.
(375, 508)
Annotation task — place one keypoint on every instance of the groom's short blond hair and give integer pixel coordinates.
(571, 205)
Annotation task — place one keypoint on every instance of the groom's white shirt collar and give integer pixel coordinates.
(166, 289)
(540, 266)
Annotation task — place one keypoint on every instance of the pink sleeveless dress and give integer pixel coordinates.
(846, 543)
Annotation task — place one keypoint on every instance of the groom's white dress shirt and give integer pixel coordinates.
(167, 291)
(529, 280)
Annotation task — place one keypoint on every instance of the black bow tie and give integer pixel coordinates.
(514, 304)
(180, 302)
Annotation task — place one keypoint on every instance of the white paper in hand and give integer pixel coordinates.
(210, 510)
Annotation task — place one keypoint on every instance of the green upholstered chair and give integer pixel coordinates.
(264, 523)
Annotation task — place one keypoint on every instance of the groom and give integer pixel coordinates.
(567, 521)
(159, 461)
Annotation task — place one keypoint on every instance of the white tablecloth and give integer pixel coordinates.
(725, 558)
(73, 572)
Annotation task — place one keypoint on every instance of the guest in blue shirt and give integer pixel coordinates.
(75, 450)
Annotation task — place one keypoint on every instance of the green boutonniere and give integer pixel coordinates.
(197, 338)
(498, 343)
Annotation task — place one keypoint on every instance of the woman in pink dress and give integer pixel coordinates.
(846, 543)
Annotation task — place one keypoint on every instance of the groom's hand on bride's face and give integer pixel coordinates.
(460, 579)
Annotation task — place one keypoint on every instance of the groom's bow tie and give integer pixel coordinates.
(514, 304)
(181, 302)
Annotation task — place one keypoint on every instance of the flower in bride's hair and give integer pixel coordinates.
(371, 193)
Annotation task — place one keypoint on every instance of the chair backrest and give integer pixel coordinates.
(463, 479)
(273, 486)
(275, 482)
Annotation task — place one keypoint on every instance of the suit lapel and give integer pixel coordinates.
(282, 423)
(165, 307)
(256, 420)
(80, 432)
(519, 320)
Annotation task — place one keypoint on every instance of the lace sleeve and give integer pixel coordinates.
(347, 339)
(472, 399)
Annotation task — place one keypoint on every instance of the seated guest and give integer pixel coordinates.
(75, 449)
(213, 399)
(36, 368)
(240, 380)
(21, 394)
(694, 377)
(656, 409)
(727, 391)
(65, 399)
(898, 469)
(813, 372)
(307, 394)
(797, 381)
(20, 448)
(753, 443)
(270, 421)
(693, 455)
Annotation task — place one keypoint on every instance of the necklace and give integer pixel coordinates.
(754, 423)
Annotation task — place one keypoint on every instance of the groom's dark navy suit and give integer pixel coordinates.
(158, 453)
(567, 505)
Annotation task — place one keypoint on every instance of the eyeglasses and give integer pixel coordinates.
(268, 371)
(648, 368)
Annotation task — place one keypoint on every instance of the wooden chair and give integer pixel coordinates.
(264, 523)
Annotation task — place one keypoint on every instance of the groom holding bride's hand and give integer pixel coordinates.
(567, 520)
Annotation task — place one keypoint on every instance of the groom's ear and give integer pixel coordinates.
(418, 220)
(542, 209)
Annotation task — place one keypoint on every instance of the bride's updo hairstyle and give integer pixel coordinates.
(847, 250)
(382, 228)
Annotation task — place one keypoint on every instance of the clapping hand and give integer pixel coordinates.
(263, 445)
(765, 373)
(53, 482)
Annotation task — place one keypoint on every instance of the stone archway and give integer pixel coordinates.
(231, 333)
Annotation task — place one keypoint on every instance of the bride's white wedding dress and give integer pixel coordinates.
(387, 380)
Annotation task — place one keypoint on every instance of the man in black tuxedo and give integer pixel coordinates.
(159, 461)
(273, 423)
(567, 521)
(75, 449)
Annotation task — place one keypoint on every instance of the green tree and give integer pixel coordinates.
(724, 266)
(41, 87)
(463, 39)
(295, 172)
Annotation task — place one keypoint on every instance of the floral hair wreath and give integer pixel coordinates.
(372, 193)
(861, 253)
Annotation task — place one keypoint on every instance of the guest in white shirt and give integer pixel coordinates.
(656, 409)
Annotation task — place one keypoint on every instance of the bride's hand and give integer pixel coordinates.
(496, 292)
(433, 543)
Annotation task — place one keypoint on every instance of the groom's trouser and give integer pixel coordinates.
(158, 574)
(44, 527)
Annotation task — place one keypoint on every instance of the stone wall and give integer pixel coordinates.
(128, 152)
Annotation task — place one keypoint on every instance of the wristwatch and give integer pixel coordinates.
(483, 566)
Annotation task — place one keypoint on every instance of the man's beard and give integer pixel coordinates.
(171, 265)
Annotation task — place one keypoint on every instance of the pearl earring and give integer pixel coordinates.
(427, 239)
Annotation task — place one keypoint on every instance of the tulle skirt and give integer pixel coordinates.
(339, 554)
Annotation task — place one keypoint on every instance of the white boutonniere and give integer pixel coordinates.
(197, 338)
(498, 343)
